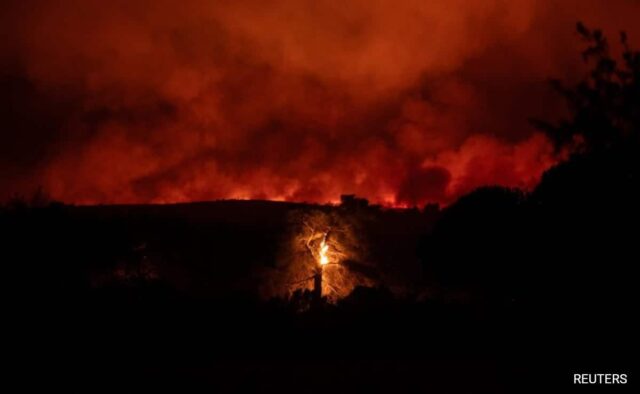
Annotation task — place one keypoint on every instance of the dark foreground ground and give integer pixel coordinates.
(500, 292)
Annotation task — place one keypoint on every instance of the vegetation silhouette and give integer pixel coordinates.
(563, 253)
(605, 105)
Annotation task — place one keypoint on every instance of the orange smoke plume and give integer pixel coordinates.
(400, 102)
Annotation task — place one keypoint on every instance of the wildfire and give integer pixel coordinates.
(323, 256)
(322, 253)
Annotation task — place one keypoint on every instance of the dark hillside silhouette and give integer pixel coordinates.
(476, 241)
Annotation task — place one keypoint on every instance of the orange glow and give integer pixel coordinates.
(402, 103)
(322, 252)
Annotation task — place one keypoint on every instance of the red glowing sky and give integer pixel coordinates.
(402, 102)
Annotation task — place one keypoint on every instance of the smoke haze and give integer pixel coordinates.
(402, 102)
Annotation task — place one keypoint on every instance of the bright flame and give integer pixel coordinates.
(323, 252)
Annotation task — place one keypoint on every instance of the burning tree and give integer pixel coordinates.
(320, 256)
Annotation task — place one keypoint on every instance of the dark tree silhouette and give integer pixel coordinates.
(567, 247)
(605, 105)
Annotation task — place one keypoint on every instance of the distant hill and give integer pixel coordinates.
(201, 248)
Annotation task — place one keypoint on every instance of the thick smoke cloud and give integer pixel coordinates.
(402, 102)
